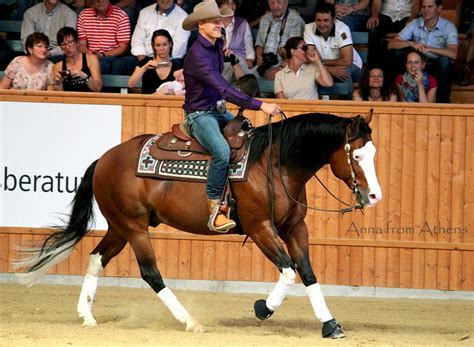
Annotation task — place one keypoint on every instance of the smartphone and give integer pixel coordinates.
(163, 64)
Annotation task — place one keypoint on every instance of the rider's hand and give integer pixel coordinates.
(271, 109)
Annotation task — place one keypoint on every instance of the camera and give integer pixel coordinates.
(269, 59)
(65, 73)
(232, 59)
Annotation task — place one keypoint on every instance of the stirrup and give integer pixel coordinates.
(215, 212)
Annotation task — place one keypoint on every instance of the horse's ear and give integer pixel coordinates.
(368, 118)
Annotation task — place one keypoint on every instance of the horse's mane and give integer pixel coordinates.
(307, 140)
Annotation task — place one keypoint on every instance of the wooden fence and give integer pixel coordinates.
(420, 236)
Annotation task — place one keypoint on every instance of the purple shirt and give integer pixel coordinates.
(205, 85)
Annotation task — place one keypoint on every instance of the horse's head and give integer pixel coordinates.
(353, 162)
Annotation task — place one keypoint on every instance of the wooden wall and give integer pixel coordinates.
(425, 166)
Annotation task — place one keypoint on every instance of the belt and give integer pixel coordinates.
(219, 107)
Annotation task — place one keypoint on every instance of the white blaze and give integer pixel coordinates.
(364, 156)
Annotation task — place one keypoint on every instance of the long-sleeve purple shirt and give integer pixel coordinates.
(205, 85)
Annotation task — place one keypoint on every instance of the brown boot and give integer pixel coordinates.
(217, 220)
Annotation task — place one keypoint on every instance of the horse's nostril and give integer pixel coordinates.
(373, 196)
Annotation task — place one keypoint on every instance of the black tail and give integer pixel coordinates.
(60, 244)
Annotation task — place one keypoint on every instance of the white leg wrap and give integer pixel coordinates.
(89, 288)
(171, 301)
(317, 301)
(287, 278)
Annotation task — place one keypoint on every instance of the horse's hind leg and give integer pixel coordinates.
(143, 249)
(108, 248)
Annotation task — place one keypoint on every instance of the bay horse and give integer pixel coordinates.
(299, 146)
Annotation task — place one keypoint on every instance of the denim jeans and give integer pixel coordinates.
(206, 128)
(124, 65)
(355, 21)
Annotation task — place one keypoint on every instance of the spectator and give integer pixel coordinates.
(104, 30)
(466, 77)
(252, 11)
(77, 71)
(353, 13)
(305, 70)
(304, 7)
(374, 87)
(33, 71)
(131, 8)
(153, 71)
(165, 14)
(435, 37)
(415, 85)
(238, 36)
(387, 16)
(333, 40)
(276, 27)
(48, 17)
(248, 84)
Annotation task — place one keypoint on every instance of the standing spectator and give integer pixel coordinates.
(48, 17)
(33, 71)
(77, 71)
(353, 13)
(435, 37)
(165, 14)
(153, 71)
(388, 16)
(415, 85)
(104, 30)
(276, 27)
(374, 87)
(299, 79)
(238, 39)
(333, 40)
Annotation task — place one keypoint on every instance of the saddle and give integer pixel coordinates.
(178, 144)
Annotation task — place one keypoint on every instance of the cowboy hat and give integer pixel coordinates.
(205, 10)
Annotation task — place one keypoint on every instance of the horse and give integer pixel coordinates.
(297, 148)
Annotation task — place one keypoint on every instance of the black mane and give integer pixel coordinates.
(307, 141)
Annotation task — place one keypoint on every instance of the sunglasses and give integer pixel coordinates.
(303, 47)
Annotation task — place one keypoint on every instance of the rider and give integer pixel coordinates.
(204, 105)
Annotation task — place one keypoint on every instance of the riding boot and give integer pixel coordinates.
(217, 220)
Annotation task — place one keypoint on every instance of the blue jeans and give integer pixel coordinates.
(124, 65)
(355, 21)
(206, 127)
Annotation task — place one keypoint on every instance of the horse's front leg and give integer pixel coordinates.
(297, 243)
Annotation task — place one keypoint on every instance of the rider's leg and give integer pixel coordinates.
(206, 128)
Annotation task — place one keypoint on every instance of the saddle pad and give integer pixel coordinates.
(184, 170)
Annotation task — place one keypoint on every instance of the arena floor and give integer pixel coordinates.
(45, 315)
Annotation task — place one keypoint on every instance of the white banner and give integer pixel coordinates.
(45, 150)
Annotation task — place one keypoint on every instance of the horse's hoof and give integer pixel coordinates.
(194, 327)
(332, 330)
(261, 310)
(89, 322)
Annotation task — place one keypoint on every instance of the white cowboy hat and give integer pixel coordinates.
(205, 10)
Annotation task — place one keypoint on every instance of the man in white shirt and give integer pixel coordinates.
(48, 17)
(333, 40)
(388, 16)
(164, 15)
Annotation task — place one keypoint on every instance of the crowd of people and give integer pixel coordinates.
(298, 46)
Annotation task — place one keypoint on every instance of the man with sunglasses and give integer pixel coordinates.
(333, 40)
(204, 103)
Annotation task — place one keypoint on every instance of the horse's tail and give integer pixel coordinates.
(59, 245)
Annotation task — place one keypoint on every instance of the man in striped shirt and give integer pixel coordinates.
(104, 30)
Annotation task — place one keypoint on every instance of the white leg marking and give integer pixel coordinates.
(179, 312)
(275, 299)
(317, 301)
(89, 288)
(365, 157)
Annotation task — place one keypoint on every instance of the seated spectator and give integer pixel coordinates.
(276, 27)
(165, 14)
(374, 87)
(252, 11)
(77, 71)
(48, 17)
(238, 36)
(176, 87)
(304, 71)
(415, 85)
(435, 37)
(32, 71)
(104, 30)
(469, 63)
(153, 71)
(387, 16)
(333, 40)
(353, 13)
